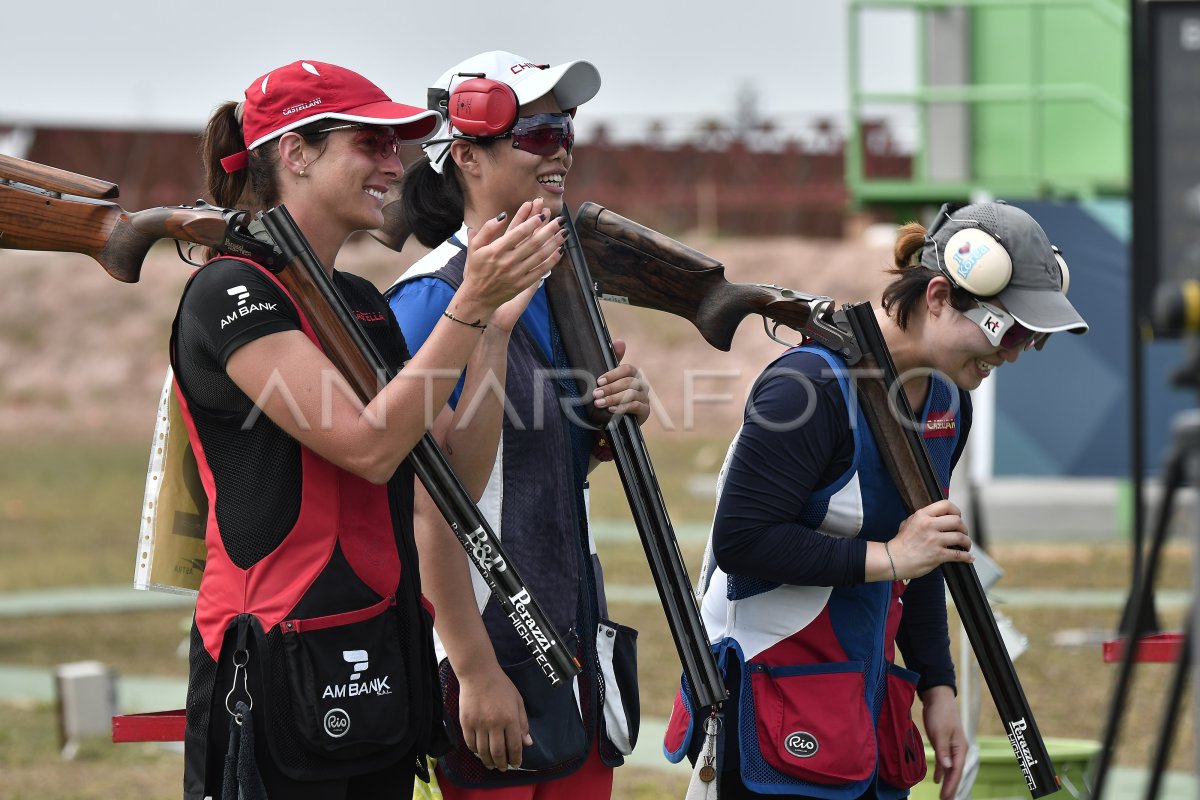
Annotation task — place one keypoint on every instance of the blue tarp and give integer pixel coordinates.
(1065, 410)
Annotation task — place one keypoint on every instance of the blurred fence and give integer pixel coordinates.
(757, 181)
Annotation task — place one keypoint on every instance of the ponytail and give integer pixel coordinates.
(909, 241)
(433, 204)
(253, 188)
(903, 295)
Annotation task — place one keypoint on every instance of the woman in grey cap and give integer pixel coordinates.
(811, 549)
(509, 139)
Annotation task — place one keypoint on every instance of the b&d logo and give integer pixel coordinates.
(801, 744)
(337, 722)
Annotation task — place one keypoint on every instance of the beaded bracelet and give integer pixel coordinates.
(477, 324)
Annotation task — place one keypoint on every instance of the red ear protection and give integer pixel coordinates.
(483, 107)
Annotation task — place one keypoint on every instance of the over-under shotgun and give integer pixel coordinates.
(34, 215)
(640, 266)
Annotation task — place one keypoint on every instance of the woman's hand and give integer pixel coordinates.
(504, 259)
(946, 736)
(622, 390)
(929, 538)
(506, 316)
(492, 715)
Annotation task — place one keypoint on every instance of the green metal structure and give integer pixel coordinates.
(1016, 98)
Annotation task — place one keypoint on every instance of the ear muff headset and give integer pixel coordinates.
(483, 108)
(478, 108)
(1062, 267)
(972, 258)
(975, 260)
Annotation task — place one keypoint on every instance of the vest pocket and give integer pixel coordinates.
(348, 683)
(901, 748)
(812, 721)
(616, 650)
(555, 724)
(554, 720)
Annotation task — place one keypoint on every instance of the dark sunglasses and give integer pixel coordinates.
(1002, 328)
(543, 134)
(379, 139)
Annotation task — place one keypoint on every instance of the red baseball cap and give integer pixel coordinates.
(303, 92)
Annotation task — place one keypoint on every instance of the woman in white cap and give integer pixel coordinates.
(310, 625)
(509, 139)
(814, 573)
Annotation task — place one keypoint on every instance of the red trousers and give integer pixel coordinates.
(592, 781)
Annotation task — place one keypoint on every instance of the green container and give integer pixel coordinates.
(999, 777)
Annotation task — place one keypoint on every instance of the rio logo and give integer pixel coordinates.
(801, 744)
(337, 722)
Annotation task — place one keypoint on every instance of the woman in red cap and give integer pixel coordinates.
(310, 626)
(509, 138)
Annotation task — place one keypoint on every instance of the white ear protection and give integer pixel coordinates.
(1062, 267)
(977, 262)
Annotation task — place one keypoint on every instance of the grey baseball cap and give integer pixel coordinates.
(1036, 291)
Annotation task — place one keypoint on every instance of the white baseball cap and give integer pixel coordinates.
(573, 84)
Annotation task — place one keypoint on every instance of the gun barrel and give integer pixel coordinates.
(359, 361)
(907, 459)
(590, 347)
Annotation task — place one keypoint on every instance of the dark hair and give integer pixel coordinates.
(252, 188)
(434, 203)
(256, 187)
(902, 295)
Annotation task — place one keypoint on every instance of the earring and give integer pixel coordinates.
(301, 172)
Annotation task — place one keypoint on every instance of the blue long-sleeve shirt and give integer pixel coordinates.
(795, 439)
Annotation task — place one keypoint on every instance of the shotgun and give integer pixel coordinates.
(638, 266)
(902, 447)
(357, 359)
(37, 216)
(589, 349)
(34, 215)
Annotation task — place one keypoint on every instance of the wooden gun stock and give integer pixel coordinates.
(55, 180)
(102, 230)
(633, 264)
(395, 229)
(36, 217)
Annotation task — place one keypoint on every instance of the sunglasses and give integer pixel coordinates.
(381, 140)
(543, 134)
(1002, 328)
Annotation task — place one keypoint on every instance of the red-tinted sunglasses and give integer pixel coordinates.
(1002, 328)
(543, 134)
(379, 139)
